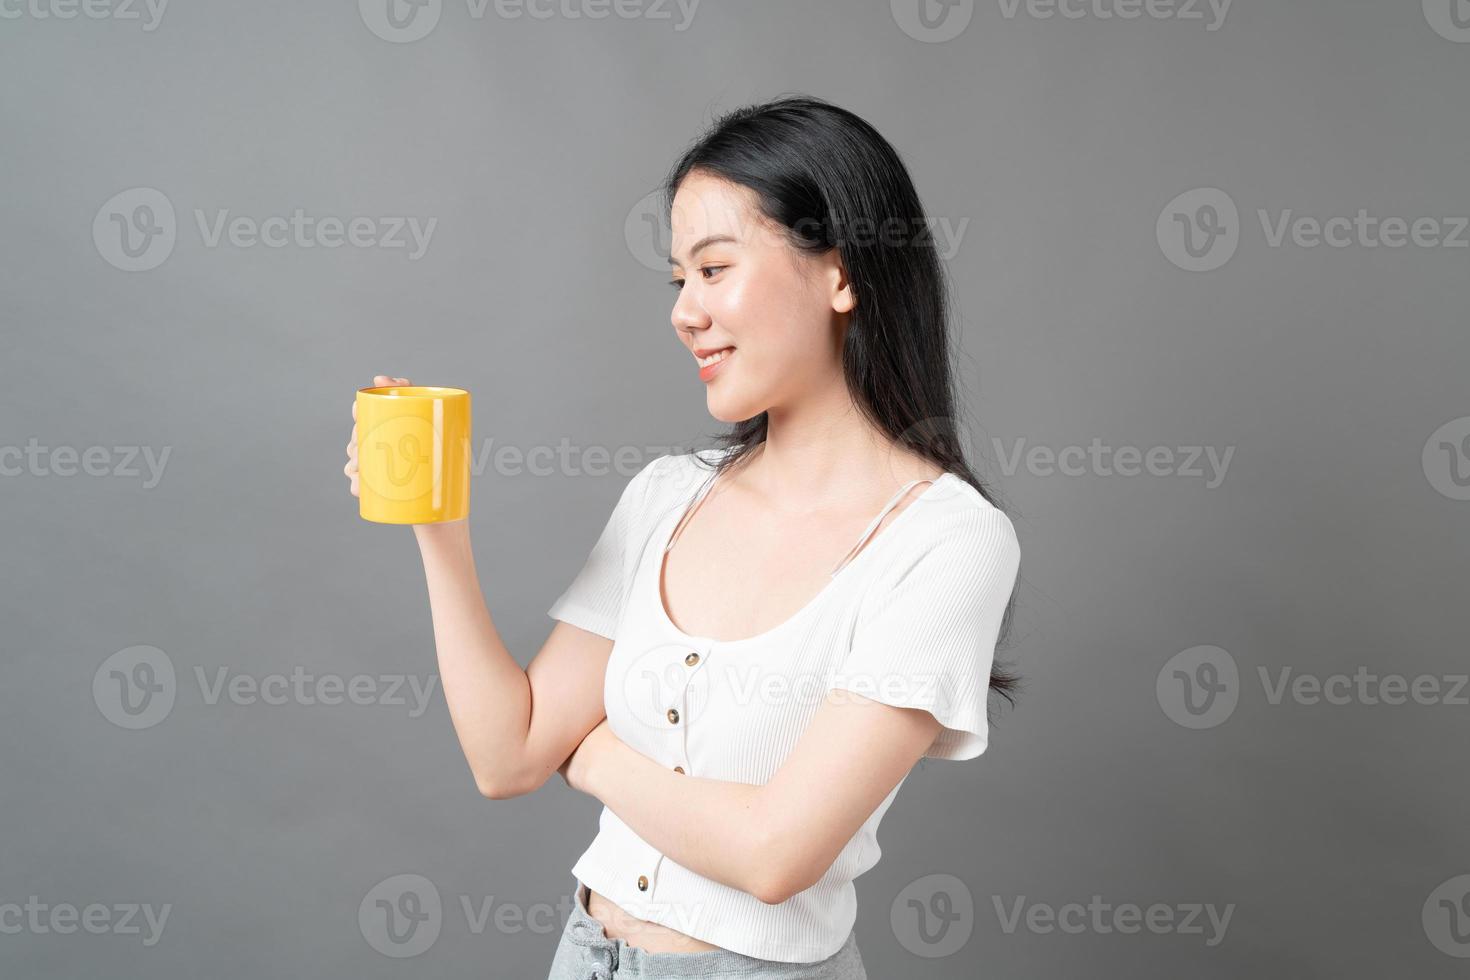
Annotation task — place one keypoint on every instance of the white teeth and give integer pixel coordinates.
(715, 358)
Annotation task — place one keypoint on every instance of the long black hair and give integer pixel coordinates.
(828, 179)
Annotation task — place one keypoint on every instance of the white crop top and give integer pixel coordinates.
(910, 620)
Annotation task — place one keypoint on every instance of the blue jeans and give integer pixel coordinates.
(585, 953)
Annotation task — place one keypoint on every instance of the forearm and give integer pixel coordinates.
(711, 826)
(487, 692)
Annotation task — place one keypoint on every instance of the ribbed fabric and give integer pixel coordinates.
(910, 620)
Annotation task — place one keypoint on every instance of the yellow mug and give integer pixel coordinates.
(413, 454)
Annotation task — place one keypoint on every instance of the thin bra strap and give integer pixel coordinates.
(892, 503)
(862, 539)
(689, 510)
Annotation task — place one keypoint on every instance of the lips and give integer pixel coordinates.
(707, 355)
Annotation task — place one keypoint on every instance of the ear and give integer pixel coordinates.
(844, 298)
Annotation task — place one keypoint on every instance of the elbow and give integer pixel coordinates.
(779, 872)
(772, 890)
(504, 786)
(493, 790)
(777, 885)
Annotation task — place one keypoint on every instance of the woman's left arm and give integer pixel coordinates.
(776, 839)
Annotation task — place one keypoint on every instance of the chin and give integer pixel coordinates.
(730, 410)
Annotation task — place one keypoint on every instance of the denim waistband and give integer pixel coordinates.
(586, 931)
(614, 958)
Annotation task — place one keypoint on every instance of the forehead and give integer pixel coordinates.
(705, 206)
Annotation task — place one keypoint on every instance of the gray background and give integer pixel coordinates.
(1335, 541)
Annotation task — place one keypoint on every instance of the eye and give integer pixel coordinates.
(679, 283)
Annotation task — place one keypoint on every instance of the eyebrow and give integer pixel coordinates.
(702, 243)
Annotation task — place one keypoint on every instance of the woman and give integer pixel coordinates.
(766, 637)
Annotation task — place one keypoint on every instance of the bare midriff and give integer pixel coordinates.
(648, 936)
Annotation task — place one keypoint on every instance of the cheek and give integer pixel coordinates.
(734, 304)
(761, 310)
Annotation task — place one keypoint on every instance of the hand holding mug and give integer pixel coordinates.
(409, 454)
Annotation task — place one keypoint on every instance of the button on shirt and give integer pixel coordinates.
(910, 620)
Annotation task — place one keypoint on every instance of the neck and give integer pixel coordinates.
(822, 452)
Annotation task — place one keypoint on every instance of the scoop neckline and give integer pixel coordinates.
(660, 555)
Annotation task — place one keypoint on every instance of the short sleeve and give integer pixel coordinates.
(594, 600)
(925, 637)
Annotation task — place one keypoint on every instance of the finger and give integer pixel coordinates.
(400, 381)
(382, 379)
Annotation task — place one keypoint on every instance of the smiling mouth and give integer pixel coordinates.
(714, 358)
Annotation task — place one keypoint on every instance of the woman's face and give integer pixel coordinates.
(741, 285)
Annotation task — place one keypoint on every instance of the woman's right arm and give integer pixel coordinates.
(516, 726)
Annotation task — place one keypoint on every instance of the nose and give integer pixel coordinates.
(689, 313)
